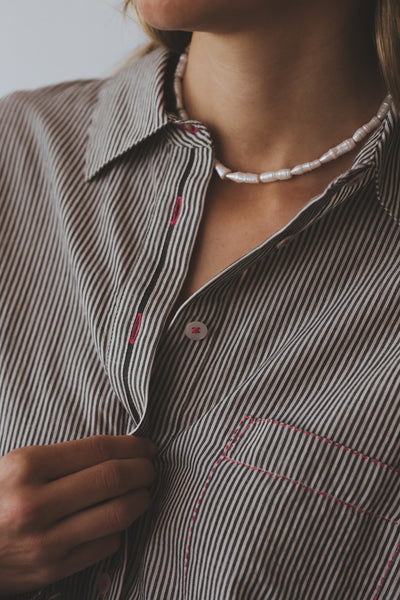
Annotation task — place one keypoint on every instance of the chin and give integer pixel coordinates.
(213, 16)
(187, 15)
(167, 14)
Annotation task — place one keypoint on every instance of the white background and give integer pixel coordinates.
(43, 42)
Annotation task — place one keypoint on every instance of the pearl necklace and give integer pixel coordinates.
(282, 174)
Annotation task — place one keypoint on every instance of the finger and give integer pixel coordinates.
(80, 558)
(100, 521)
(58, 460)
(105, 481)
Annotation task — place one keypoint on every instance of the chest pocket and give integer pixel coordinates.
(287, 514)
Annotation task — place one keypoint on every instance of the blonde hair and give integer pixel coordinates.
(387, 40)
(387, 33)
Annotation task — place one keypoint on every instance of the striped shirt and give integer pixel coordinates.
(273, 392)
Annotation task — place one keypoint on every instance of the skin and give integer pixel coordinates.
(63, 507)
(277, 84)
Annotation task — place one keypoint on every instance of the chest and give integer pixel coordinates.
(236, 220)
(278, 429)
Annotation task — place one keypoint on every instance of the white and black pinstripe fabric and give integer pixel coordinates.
(279, 464)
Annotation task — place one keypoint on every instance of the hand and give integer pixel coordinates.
(63, 507)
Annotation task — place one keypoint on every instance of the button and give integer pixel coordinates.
(196, 330)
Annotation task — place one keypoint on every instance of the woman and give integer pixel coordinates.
(250, 330)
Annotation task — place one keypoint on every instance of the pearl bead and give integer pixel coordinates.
(268, 177)
(315, 164)
(374, 123)
(328, 156)
(178, 91)
(346, 146)
(283, 174)
(272, 176)
(300, 169)
(243, 177)
(180, 69)
(221, 169)
(383, 110)
(360, 134)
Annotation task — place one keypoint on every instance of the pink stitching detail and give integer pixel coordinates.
(177, 211)
(224, 456)
(136, 328)
(189, 128)
(310, 489)
(229, 445)
(322, 439)
(382, 579)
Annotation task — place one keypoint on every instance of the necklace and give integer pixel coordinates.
(282, 174)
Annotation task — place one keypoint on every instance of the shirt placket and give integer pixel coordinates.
(193, 323)
(145, 305)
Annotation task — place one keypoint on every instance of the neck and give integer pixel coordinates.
(283, 90)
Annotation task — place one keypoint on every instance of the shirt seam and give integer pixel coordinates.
(380, 200)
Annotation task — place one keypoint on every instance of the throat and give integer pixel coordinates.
(237, 218)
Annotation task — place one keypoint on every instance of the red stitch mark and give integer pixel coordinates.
(231, 441)
(322, 439)
(195, 330)
(386, 572)
(136, 328)
(177, 211)
(310, 489)
(224, 456)
(189, 128)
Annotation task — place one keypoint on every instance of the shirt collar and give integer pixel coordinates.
(387, 157)
(377, 164)
(129, 109)
(132, 106)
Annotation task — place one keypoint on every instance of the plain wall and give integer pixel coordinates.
(43, 42)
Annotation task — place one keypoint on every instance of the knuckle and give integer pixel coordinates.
(99, 448)
(108, 476)
(21, 464)
(40, 551)
(24, 511)
(119, 516)
(45, 575)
